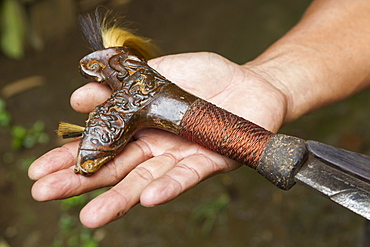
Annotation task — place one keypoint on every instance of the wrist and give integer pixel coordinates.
(261, 102)
(305, 76)
(322, 60)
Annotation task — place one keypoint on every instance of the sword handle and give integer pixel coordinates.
(277, 157)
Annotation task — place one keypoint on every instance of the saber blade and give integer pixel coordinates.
(338, 174)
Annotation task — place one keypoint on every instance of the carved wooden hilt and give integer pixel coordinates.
(142, 98)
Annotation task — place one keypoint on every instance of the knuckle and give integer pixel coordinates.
(143, 173)
(191, 170)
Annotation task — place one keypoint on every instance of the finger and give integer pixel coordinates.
(65, 183)
(51, 180)
(185, 175)
(115, 203)
(88, 96)
(54, 160)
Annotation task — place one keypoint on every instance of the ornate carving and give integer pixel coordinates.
(107, 121)
(134, 83)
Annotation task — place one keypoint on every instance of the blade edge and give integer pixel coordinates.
(342, 188)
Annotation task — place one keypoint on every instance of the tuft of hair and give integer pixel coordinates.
(116, 36)
(91, 28)
(67, 130)
(108, 31)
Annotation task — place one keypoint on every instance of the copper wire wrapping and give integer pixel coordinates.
(238, 139)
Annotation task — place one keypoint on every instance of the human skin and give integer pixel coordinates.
(323, 59)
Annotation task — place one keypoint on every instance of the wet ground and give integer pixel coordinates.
(235, 209)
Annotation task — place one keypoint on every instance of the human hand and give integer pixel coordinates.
(158, 166)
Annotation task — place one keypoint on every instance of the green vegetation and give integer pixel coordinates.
(209, 213)
(73, 235)
(12, 28)
(4, 115)
(21, 136)
(71, 232)
(28, 138)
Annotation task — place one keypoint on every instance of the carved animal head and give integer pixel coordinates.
(118, 52)
(97, 66)
(112, 66)
(101, 139)
(120, 62)
(114, 45)
(111, 125)
(141, 97)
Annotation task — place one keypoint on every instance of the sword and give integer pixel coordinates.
(142, 98)
(340, 175)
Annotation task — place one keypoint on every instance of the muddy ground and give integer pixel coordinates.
(254, 213)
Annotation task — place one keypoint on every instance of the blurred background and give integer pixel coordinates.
(40, 49)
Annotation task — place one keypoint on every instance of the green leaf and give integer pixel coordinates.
(28, 138)
(18, 133)
(75, 202)
(5, 117)
(12, 28)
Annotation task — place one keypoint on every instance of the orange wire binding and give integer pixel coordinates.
(239, 139)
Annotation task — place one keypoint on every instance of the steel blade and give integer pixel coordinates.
(338, 174)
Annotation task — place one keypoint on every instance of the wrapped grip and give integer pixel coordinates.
(276, 157)
(225, 133)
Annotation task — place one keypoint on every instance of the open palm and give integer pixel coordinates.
(158, 166)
